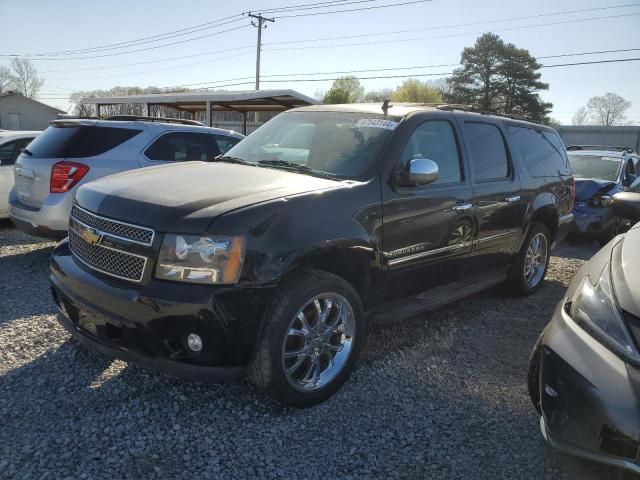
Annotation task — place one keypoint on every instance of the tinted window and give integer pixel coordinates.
(225, 143)
(488, 152)
(435, 140)
(7, 154)
(343, 144)
(79, 141)
(543, 152)
(182, 147)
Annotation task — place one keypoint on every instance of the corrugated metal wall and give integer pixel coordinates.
(594, 135)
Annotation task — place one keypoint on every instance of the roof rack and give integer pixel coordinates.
(136, 118)
(601, 147)
(448, 107)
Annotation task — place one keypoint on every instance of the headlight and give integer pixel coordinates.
(596, 310)
(599, 201)
(195, 259)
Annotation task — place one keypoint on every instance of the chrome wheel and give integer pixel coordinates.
(535, 260)
(318, 342)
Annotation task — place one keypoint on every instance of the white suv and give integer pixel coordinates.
(72, 152)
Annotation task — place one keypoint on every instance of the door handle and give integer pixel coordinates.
(512, 199)
(462, 207)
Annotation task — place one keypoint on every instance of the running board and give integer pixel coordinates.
(411, 306)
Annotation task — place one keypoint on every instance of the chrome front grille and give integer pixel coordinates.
(97, 242)
(115, 228)
(109, 261)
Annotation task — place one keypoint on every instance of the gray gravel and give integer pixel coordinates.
(442, 396)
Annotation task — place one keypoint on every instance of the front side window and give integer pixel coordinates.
(488, 152)
(595, 166)
(182, 147)
(340, 144)
(435, 140)
(7, 153)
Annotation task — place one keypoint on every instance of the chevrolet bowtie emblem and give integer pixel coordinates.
(91, 236)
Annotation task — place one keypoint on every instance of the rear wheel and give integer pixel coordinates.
(310, 340)
(530, 266)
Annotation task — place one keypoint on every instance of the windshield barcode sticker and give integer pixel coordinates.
(376, 123)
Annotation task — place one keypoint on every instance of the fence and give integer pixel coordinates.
(595, 135)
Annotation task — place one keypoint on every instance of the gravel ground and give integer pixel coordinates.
(442, 396)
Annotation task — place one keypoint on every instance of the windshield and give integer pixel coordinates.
(595, 166)
(339, 144)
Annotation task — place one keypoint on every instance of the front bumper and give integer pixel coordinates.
(50, 220)
(589, 396)
(594, 221)
(148, 324)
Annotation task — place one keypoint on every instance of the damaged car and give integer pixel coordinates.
(584, 373)
(600, 173)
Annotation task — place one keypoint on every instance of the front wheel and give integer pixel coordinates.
(530, 266)
(310, 340)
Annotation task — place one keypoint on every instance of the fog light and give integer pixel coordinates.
(194, 342)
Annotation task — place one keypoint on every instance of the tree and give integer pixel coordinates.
(345, 90)
(499, 77)
(377, 96)
(413, 90)
(609, 109)
(24, 78)
(581, 116)
(5, 78)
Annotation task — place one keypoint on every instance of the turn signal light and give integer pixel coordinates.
(64, 175)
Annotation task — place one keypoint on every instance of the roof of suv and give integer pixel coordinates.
(145, 125)
(398, 110)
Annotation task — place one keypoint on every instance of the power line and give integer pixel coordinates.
(181, 57)
(441, 27)
(402, 40)
(296, 15)
(121, 45)
(140, 49)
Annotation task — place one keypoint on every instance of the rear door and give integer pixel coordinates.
(8, 153)
(428, 230)
(180, 146)
(499, 207)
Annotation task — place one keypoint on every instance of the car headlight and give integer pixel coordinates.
(196, 259)
(594, 307)
(599, 201)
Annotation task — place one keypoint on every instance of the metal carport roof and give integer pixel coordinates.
(244, 101)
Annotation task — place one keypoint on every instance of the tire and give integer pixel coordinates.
(517, 281)
(533, 374)
(276, 348)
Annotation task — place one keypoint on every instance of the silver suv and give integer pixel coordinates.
(72, 152)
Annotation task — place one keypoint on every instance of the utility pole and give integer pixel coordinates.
(260, 24)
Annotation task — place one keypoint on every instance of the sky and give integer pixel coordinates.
(422, 35)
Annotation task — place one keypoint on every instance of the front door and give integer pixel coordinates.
(499, 207)
(428, 230)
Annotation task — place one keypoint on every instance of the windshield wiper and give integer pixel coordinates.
(27, 151)
(296, 167)
(225, 158)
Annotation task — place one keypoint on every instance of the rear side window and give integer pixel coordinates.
(79, 142)
(488, 152)
(183, 147)
(542, 151)
(225, 143)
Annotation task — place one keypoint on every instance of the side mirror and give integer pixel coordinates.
(419, 171)
(627, 205)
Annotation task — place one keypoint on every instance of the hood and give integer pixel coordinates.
(626, 274)
(187, 197)
(587, 188)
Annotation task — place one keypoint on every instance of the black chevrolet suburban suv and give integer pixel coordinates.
(272, 259)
